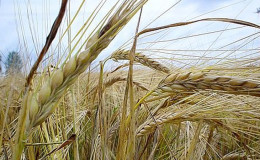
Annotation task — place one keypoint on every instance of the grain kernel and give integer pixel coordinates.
(70, 66)
(57, 79)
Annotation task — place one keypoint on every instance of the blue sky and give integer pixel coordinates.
(16, 30)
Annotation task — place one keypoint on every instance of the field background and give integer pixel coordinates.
(187, 91)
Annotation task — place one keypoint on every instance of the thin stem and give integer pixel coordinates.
(131, 140)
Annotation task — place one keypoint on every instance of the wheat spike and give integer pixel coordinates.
(200, 109)
(56, 85)
(190, 82)
(140, 58)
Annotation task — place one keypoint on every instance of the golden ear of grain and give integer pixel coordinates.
(140, 58)
(65, 76)
(192, 82)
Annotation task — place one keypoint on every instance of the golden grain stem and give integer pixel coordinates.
(31, 149)
(62, 111)
(138, 104)
(159, 131)
(47, 137)
(102, 114)
(208, 147)
(21, 130)
(121, 149)
(131, 134)
(74, 129)
(191, 151)
(3, 123)
(178, 136)
(155, 145)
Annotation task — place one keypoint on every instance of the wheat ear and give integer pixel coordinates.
(140, 58)
(190, 82)
(40, 104)
(56, 85)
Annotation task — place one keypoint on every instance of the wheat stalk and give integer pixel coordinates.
(140, 58)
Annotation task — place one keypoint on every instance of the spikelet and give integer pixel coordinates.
(92, 40)
(182, 76)
(57, 79)
(70, 67)
(166, 89)
(170, 78)
(83, 57)
(44, 93)
(195, 76)
(33, 108)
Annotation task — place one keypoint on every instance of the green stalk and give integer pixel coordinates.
(20, 133)
(75, 144)
(102, 114)
(122, 130)
(31, 149)
(5, 115)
